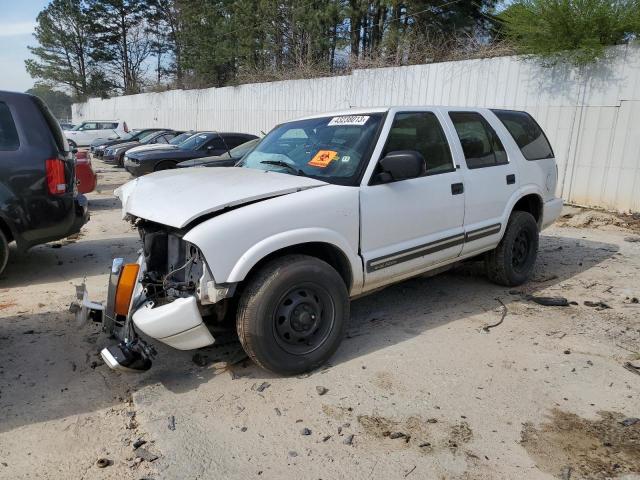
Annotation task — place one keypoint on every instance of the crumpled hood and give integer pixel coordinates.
(177, 197)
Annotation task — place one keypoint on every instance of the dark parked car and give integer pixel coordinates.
(38, 197)
(115, 153)
(203, 144)
(227, 159)
(99, 145)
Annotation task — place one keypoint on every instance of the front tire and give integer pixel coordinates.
(164, 165)
(4, 251)
(293, 314)
(513, 260)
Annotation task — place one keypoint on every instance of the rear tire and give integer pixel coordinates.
(293, 314)
(4, 251)
(513, 260)
(164, 165)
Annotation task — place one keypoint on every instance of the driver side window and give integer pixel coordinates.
(421, 132)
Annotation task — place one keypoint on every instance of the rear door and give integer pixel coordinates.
(490, 179)
(409, 225)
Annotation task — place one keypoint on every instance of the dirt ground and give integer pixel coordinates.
(417, 390)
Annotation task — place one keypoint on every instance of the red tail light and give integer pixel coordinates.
(81, 157)
(55, 176)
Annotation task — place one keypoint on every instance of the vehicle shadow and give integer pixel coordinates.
(54, 371)
(66, 260)
(65, 376)
(109, 203)
(410, 308)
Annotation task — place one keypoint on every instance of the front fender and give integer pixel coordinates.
(292, 238)
(234, 242)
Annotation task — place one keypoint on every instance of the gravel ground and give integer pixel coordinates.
(417, 390)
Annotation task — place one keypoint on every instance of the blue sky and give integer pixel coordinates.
(16, 28)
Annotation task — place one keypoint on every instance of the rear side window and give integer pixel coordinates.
(527, 134)
(234, 141)
(107, 126)
(481, 145)
(216, 144)
(421, 132)
(54, 126)
(8, 134)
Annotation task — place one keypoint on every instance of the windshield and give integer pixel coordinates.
(333, 149)
(178, 139)
(196, 141)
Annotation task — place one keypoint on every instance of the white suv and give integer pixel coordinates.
(83, 134)
(324, 209)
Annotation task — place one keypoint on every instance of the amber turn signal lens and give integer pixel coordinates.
(126, 284)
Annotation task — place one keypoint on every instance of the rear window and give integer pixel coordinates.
(54, 126)
(8, 133)
(527, 134)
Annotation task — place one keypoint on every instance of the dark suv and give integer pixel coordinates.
(39, 201)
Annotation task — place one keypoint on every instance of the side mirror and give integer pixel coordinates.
(74, 150)
(401, 165)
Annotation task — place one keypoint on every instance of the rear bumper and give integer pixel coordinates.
(551, 211)
(81, 206)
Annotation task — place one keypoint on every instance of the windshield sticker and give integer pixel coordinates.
(349, 120)
(346, 159)
(323, 158)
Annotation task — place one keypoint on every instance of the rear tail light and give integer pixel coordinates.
(55, 176)
(81, 157)
(126, 285)
(125, 127)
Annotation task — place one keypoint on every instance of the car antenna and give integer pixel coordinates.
(225, 144)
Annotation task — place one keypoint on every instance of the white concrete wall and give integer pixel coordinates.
(592, 118)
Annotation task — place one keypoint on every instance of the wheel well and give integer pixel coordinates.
(532, 204)
(324, 251)
(6, 230)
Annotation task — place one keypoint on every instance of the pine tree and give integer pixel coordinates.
(62, 57)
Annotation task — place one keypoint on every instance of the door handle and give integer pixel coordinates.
(511, 179)
(457, 188)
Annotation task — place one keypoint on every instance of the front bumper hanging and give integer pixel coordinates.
(131, 353)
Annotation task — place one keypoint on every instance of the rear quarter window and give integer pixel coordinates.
(54, 126)
(8, 133)
(527, 134)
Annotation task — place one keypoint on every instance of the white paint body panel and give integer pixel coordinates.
(176, 197)
(232, 243)
(177, 324)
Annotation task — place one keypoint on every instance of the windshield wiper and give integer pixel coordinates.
(280, 163)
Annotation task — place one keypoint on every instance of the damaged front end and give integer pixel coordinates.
(166, 295)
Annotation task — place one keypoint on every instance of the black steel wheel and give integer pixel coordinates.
(292, 314)
(512, 261)
(303, 319)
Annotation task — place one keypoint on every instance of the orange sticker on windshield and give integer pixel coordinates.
(323, 158)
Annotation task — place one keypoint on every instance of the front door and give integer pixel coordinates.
(409, 225)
